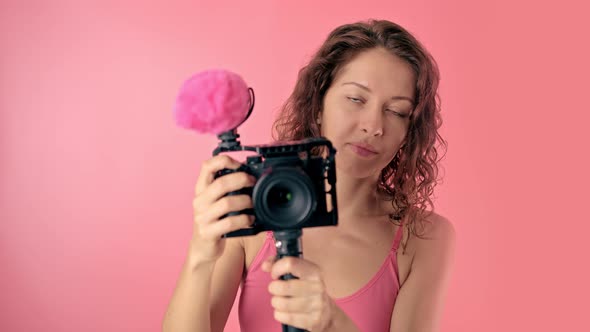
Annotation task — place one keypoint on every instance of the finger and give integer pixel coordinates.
(298, 267)
(296, 304)
(226, 225)
(267, 263)
(209, 167)
(296, 287)
(225, 184)
(225, 205)
(303, 321)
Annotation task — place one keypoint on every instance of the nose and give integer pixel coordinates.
(372, 122)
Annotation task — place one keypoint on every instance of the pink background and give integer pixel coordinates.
(96, 181)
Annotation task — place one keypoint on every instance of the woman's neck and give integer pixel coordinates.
(358, 197)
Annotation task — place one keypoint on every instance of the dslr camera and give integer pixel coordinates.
(295, 181)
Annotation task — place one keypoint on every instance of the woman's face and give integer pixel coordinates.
(366, 111)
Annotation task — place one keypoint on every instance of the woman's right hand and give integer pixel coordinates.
(210, 204)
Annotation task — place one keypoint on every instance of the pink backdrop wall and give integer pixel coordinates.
(96, 181)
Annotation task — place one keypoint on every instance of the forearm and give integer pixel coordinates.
(189, 307)
(341, 322)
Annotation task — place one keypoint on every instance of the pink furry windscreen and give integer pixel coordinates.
(212, 102)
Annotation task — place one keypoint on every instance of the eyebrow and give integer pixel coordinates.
(366, 88)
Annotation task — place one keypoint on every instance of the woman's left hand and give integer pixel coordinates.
(304, 302)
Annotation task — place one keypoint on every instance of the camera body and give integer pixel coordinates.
(295, 182)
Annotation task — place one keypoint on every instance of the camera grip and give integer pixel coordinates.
(243, 191)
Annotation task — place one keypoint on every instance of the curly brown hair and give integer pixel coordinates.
(408, 181)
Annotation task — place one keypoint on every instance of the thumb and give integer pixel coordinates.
(267, 263)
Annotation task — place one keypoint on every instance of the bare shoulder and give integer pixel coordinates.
(435, 230)
(421, 298)
(434, 249)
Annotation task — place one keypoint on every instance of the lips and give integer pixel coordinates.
(363, 150)
(365, 146)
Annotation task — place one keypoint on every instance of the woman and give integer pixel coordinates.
(371, 89)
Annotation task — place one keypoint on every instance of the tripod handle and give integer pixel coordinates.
(288, 328)
(288, 243)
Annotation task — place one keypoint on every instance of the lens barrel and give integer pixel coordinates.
(284, 197)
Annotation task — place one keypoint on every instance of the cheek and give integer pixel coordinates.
(396, 134)
(335, 114)
(387, 159)
(335, 129)
(398, 130)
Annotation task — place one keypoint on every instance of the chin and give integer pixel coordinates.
(356, 169)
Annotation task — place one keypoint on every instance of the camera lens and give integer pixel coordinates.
(284, 197)
(280, 196)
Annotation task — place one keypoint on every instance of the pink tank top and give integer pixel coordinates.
(370, 307)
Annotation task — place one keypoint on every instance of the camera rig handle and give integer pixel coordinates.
(288, 243)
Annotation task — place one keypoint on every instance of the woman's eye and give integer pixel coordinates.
(355, 100)
(396, 113)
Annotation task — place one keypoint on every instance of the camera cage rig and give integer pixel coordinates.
(229, 142)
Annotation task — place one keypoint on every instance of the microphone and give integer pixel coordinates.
(214, 101)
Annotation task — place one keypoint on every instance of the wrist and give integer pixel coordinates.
(195, 261)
